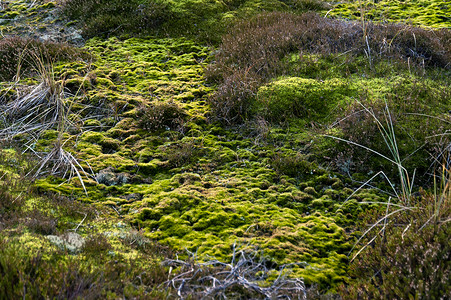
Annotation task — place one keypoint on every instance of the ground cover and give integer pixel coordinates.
(428, 13)
(200, 148)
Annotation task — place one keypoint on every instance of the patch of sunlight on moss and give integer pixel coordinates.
(300, 97)
(428, 13)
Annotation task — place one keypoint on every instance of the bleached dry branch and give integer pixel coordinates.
(247, 275)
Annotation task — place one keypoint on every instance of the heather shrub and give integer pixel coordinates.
(40, 222)
(231, 103)
(105, 17)
(292, 164)
(14, 186)
(18, 55)
(161, 115)
(410, 259)
(10, 204)
(306, 5)
(417, 45)
(181, 154)
(96, 244)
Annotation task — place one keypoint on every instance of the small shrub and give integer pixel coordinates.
(137, 240)
(183, 153)
(11, 204)
(96, 244)
(105, 17)
(306, 5)
(231, 103)
(291, 164)
(410, 259)
(14, 186)
(161, 115)
(41, 223)
(17, 55)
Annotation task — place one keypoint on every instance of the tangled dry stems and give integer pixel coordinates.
(247, 275)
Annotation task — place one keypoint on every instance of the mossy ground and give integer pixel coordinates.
(191, 184)
(421, 13)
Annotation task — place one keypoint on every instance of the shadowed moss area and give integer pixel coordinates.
(53, 245)
(421, 13)
(199, 19)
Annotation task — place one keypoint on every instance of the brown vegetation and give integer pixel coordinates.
(254, 51)
(18, 55)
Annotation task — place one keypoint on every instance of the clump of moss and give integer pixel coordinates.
(293, 97)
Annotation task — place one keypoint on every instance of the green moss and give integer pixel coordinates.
(204, 187)
(423, 13)
(107, 144)
(299, 97)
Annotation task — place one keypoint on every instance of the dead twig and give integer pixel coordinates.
(247, 274)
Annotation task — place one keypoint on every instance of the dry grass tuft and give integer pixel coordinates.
(33, 110)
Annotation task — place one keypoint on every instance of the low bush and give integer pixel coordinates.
(161, 115)
(292, 164)
(106, 17)
(181, 154)
(232, 101)
(10, 204)
(18, 55)
(41, 223)
(410, 259)
(96, 244)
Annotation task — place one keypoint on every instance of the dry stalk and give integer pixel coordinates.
(247, 275)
